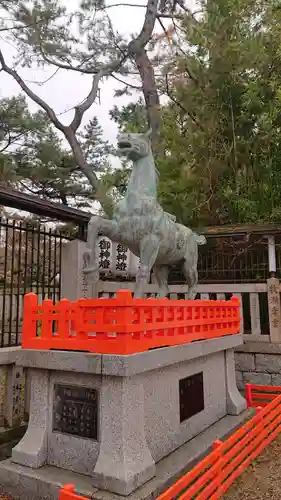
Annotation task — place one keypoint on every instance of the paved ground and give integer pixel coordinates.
(262, 479)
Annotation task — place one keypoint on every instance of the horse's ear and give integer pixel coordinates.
(148, 133)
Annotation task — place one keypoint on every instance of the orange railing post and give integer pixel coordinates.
(63, 318)
(260, 395)
(68, 493)
(217, 445)
(47, 319)
(124, 319)
(29, 331)
(248, 395)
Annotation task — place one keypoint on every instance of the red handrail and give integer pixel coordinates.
(260, 395)
(125, 325)
(68, 493)
(214, 475)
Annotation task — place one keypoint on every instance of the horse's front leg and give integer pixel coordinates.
(97, 227)
(161, 274)
(149, 248)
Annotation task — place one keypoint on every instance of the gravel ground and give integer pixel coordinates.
(262, 479)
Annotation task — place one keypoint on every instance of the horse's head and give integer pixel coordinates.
(134, 146)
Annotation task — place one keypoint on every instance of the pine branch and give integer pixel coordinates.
(86, 71)
(34, 97)
(136, 87)
(69, 131)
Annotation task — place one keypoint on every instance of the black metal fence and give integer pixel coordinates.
(30, 261)
(234, 259)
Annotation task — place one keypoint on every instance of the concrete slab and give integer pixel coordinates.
(8, 355)
(118, 365)
(24, 483)
(72, 361)
(124, 366)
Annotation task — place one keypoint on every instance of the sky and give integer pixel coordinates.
(69, 88)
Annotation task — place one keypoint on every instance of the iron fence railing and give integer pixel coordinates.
(232, 259)
(30, 260)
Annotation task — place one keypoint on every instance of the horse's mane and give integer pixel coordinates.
(157, 174)
(155, 168)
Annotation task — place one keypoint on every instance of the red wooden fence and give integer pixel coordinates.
(124, 325)
(214, 475)
(260, 395)
(68, 493)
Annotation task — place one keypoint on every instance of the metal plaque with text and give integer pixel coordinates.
(75, 411)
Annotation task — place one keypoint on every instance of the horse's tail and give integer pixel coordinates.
(200, 240)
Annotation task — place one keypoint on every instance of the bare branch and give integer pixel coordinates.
(87, 103)
(136, 87)
(177, 103)
(8, 143)
(165, 15)
(40, 84)
(187, 10)
(121, 5)
(50, 112)
(86, 71)
(14, 28)
(166, 33)
(12, 140)
(27, 188)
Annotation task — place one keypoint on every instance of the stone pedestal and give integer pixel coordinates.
(141, 407)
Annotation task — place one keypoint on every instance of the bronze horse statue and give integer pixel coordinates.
(140, 223)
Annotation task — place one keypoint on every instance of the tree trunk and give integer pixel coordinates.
(100, 193)
(136, 50)
(151, 97)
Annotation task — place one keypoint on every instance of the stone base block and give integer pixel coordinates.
(24, 483)
(113, 418)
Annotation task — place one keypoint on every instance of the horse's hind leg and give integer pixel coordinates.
(149, 248)
(161, 274)
(191, 276)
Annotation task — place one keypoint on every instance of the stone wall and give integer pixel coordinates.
(13, 412)
(258, 363)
